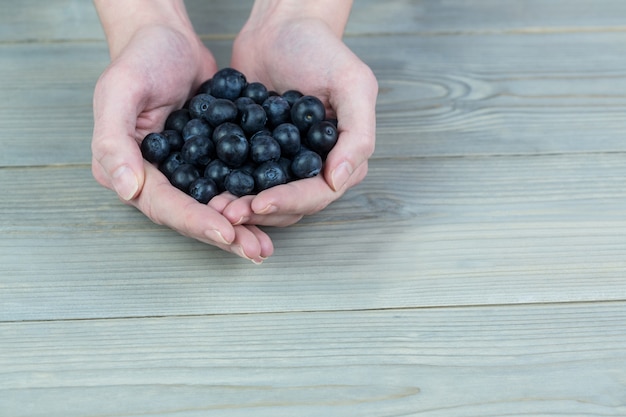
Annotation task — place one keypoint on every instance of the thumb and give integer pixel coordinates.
(117, 162)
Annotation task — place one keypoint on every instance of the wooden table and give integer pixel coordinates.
(479, 270)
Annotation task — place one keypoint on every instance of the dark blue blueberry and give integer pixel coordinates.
(233, 150)
(269, 174)
(155, 147)
(288, 137)
(217, 171)
(264, 148)
(199, 104)
(306, 164)
(291, 96)
(248, 167)
(256, 91)
(253, 119)
(174, 138)
(205, 87)
(221, 111)
(226, 129)
(169, 165)
(228, 83)
(285, 164)
(277, 110)
(196, 127)
(183, 176)
(177, 120)
(334, 121)
(239, 183)
(321, 137)
(203, 190)
(241, 103)
(263, 132)
(198, 150)
(307, 111)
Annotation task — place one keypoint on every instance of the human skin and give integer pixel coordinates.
(158, 61)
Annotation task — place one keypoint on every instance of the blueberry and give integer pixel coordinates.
(277, 110)
(248, 167)
(306, 164)
(264, 148)
(233, 150)
(203, 190)
(263, 132)
(217, 171)
(269, 174)
(256, 91)
(239, 183)
(291, 96)
(253, 119)
(205, 87)
(183, 176)
(288, 137)
(199, 104)
(228, 83)
(307, 111)
(197, 127)
(226, 129)
(285, 164)
(198, 150)
(177, 120)
(174, 138)
(169, 165)
(321, 137)
(155, 147)
(241, 103)
(221, 111)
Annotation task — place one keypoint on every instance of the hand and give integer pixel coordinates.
(307, 54)
(152, 74)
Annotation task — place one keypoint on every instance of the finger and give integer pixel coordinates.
(239, 211)
(301, 197)
(354, 101)
(117, 160)
(166, 205)
(252, 243)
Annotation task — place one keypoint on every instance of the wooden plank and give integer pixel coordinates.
(417, 232)
(525, 360)
(63, 20)
(439, 96)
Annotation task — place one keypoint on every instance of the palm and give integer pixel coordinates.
(168, 71)
(309, 57)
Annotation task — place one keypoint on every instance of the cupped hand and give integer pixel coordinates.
(152, 75)
(305, 54)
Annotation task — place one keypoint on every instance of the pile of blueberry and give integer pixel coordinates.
(239, 137)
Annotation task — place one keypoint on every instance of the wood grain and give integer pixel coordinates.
(453, 231)
(439, 96)
(477, 271)
(503, 360)
(76, 20)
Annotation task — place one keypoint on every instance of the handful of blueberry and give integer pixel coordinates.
(239, 137)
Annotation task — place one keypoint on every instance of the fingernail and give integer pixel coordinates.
(340, 175)
(269, 209)
(238, 250)
(125, 182)
(216, 235)
(241, 220)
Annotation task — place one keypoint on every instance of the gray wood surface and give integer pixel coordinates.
(479, 270)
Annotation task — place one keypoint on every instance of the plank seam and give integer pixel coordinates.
(357, 310)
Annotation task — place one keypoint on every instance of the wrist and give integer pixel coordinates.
(121, 20)
(333, 13)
